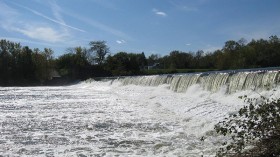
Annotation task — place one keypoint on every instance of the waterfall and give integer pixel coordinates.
(181, 83)
(253, 80)
(213, 81)
(154, 80)
(237, 81)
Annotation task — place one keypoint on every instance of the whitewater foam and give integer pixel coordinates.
(107, 118)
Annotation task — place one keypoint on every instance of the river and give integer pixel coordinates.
(105, 118)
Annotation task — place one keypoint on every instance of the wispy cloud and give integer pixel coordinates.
(14, 22)
(160, 13)
(6, 10)
(100, 26)
(188, 44)
(183, 6)
(26, 41)
(106, 4)
(188, 8)
(55, 9)
(7, 14)
(120, 41)
(41, 33)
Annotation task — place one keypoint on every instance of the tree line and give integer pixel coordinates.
(20, 65)
(233, 55)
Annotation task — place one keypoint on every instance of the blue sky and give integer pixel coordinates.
(150, 26)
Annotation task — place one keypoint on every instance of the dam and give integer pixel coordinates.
(211, 81)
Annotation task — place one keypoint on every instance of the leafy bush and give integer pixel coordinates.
(254, 130)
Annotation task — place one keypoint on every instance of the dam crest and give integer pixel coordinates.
(233, 81)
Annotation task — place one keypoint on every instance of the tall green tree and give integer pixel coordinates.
(152, 59)
(5, 60)
(100, 50)
(44, 64)
(40, 61)
(26, 65)
(123, 63)
(74, 64)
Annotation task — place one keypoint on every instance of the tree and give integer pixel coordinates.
(152, 59)
(141, 59)
(41, 65)
(48, 52)
(197, 58)
(5, 60)
(123, 63)
(100, 50)
(118, 64)
(44, 64)
(23, 66)
(231, 46)
(207, 61)
(26, 65)
(75, 63)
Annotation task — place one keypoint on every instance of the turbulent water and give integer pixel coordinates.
(119, 118)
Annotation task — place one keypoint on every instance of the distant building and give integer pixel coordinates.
(54, 74)
(154, 66)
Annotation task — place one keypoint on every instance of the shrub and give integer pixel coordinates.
(254, 130)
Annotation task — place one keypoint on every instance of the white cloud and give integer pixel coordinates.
(121, 41)
(160, 13)
(188, 44)
(42, 33)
